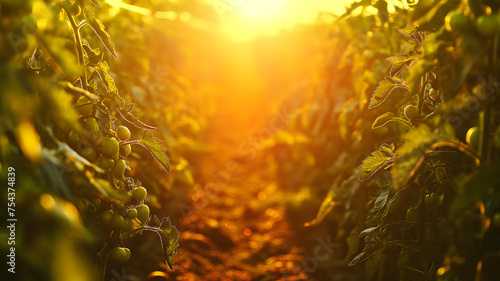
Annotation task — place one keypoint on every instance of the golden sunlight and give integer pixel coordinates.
(245, 19)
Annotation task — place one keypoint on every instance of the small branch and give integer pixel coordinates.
(79, 48)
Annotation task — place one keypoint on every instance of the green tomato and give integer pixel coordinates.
(119, 254)
(472, 138)
(84, 106)
(97, 204)
(107, 163)
(142, 212)
(123, 133)
(127, 225)
(127, 250)
(73, 138)
(89, 154)
(496, 220)
(456, 21)
(75, 10)
(412, 214)
(110, 146)
(125, 149)
(116, 222)
(105, 217)
(131, 213)
(488, 25)
(411, 111)
(139, 193)
(120, 168)
(90, 124)
(433, 200)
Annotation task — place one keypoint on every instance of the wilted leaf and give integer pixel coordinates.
(101, 32)
(155, 146)
(384, 89)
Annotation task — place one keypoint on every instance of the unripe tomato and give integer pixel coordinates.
(85, 110)
(411, 111)
(128, 196)
(90, 124)
(495, 221)
(89, 154)
(412, 214)
(120, 168)
(472, 138)
(117, 222)
(142, 212)
(97, 204)
(128, 225)
(456, 21)
(433, 200)
(123, 133)
(105, 217)
(107, 163)
(139, 193)
(110, 146)
(131, 213)
(127, 250)
(73, 138)
(119, 254)
(125, 149)
(75, 10)
(488, 25)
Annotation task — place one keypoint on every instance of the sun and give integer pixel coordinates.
(259, 9)
(245, 19)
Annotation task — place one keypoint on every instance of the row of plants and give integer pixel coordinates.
(402, 135)
(81, 129)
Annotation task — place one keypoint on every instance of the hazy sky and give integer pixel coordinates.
(245, 18)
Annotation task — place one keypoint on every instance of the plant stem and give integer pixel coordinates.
(79, 48)
(101, 261)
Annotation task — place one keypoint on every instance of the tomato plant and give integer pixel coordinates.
(61, 91)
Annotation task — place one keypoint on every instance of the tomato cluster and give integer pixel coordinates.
(108, 149)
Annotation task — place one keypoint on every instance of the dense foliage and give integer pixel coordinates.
(425, 203)
(75, 131)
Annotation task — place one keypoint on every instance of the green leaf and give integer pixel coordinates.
(100, 31)
(408, 30)
(169, 238)
(155, 146)
(387, 117)
(325, 207)
(93, 56)
(379, 159)
(384, 89)
(103, 71)
(129, 117)
(399, 61)
(412, 46)
(374, 264)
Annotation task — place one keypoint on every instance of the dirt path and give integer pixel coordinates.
(232, 230)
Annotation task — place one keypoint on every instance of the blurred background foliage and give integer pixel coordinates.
(179, 69)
